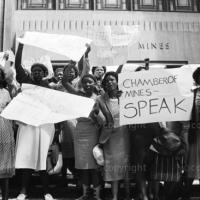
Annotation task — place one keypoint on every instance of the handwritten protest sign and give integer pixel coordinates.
(7, 64)
(154, 96)
(38, 105)
(73, 47)
(2, 61)
(11, 57)
(111, 43)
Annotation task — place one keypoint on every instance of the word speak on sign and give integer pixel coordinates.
(154, 106)
(149, 96)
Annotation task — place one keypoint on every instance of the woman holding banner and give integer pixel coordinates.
(70, 73)
(85, 139)
(114, 138)
(7, 143)
(32, 142)
(71, 76)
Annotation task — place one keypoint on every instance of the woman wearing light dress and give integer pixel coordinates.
(32, 143)
(7, 143)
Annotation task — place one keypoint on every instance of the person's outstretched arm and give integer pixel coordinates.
(21, 75)
(84, 66)
(69, 87)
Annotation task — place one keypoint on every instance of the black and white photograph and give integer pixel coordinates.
(99, 99)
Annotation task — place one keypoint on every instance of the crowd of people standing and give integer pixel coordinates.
(131, 153)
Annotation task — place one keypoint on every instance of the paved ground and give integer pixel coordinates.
(60, 190)
(71, 192)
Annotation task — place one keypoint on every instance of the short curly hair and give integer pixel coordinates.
(88, 76)
(95, 67)
(42, 66)
(196, 74)
(71, 65)
(111, 73)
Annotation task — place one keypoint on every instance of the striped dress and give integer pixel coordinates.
(169, 168)
(166, 168)
(7, 144)
(194, 145)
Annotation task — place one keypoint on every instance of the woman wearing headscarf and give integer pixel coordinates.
(7, 143)
(113, 137)
(32, 143)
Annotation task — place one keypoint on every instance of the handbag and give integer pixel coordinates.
(98, 155)
(52, 157)
(167, 143)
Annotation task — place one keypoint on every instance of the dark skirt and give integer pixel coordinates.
(116, 155)
(7, 149)
(165, 168)
(85, 139)
(67, 138)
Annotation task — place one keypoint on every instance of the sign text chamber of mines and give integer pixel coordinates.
(157, 95)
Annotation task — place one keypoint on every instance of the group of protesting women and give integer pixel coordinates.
(145, 154)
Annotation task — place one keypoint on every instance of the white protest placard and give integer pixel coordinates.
(11, 57)
(155, 96)
(38, 105)
(111, 43)
(120, 36)
(73, 47)
(2, 61)
(1, 55)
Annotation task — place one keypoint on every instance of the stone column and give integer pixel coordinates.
(9, 25)
(1, 23)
